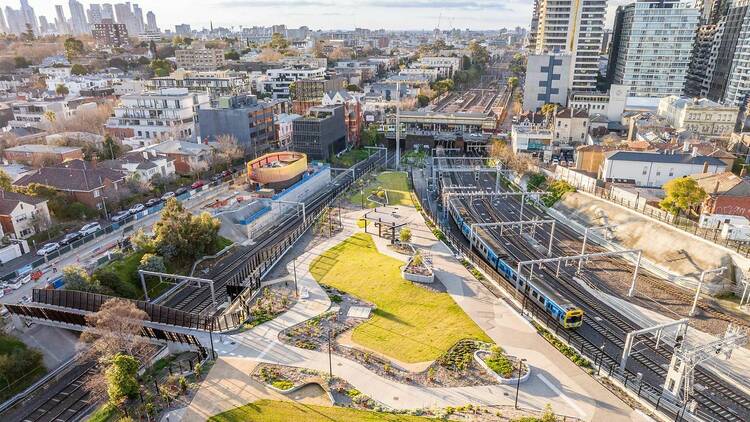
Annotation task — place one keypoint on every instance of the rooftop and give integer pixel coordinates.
(10, 200)
(663, 158)
(42, 149)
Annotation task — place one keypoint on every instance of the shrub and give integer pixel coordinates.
(283, 384)
(499, 363)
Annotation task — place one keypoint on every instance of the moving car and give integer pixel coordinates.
(90, 228)
(168, 195)
(121, 215)
(135, 209)
(48, 248)
(70, 238)
(153, 201)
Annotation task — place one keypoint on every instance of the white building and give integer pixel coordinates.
(55, 71)
(532, 134)
(285, 129)
(547, 80)
(129, 86)
(78, 83)
(651, 169)
(445, 66)
(21, 215)
(37, 114)
(167, 113)
(144, 165)
(609, 104)
(701, 116)
(279, 80)
(570, 127)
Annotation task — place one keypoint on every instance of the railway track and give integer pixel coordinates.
(613, 337)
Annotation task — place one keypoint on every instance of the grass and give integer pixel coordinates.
(498, 362)
(409, 323)
(222, 242)
(282, 411)
(350, 158)
(127, 271)
(395, 183)
(283, 384)
(104, 413)
(20, 366)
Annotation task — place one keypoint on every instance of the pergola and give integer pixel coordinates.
(385, 217)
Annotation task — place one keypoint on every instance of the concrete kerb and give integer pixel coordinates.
(498, 377)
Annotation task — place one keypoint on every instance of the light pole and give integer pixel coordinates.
(518, 380)
(294, 265)
(601, 358)
(330, 359)
(362, 194)
(719, 270)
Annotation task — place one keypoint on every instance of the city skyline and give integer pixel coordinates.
(328, 14)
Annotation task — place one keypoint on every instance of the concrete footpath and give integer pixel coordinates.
(555, 380)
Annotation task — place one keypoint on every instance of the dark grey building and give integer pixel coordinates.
(242, 116)
(321, 133)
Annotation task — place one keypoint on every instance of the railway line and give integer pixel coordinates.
(232, 272)
(601, 325)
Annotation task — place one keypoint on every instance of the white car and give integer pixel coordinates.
(25, 279)
(168, 195)
(120, 216)
(48, 248)
(135, 209)
(90, 228)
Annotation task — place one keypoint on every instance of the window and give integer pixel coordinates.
(97, 193)
(645, 170)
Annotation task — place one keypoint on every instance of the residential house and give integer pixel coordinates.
(649, 169)
(570, 126)
(284, 126)
(22, 215)
(144, 165)
(82, 181)
(189, 157)
(728, 194)
(700, 115)
(38, 155)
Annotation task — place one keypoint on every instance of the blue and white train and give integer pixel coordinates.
(569, 315)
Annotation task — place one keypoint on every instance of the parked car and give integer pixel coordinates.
(181, 190)
(226, 173)
(48, 248)
(197, 184)
(70, 238)
(153, 202)
(216, 177)
(90, 228)
(135, 209)
(120, 215)
(168, 195)
(24, 278)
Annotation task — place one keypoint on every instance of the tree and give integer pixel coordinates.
(78, 69)
(682, 195)
(548, 110)
(423, 100)
(6, 183)
(405, 235)
(278, 42)
(151, 262)
(353, 88)
(76, 278)
(443, 86)
(161, 67)
(369, 135)
(232, 55)
(115, 328)
(28, 35)
(183, 236)
(518, 65)
(21, 62)
(62, 90)
(110, 149)
(73, 48)
(479, 53)
(227, 150)
(122, 380)
(512, 82)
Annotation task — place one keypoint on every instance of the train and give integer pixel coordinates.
(567, 314)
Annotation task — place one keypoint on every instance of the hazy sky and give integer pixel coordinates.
(324, 14)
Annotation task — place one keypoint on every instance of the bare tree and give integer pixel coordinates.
(227, 150)
(91, 120)
(269, 55)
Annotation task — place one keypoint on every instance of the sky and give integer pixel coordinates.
(324, 14)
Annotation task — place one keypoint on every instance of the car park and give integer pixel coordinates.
(70, 238)
(48, 248)
(197, 184)
(135, 209)
(120, 215)
(168, 195)
(153, 202)
(90, 228)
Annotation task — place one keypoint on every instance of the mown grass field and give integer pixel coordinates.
(410, 323)
(396, 185)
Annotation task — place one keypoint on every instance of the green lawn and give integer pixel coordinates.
(283, 411)
(411, 323)
(20, 366)
(350, 158)
(395, 183)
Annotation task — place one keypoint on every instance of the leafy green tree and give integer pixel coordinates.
(151, 262)
(78, 69)
(62, 90)
(76, 278)
(6, 183)
(161, 67)
(518, 65)
(443, 85)
(232, 55)
(142, 242)
(682, 195)
(423, 100)
(28, 35)
(512, 82)
(183, 236)
(353, 88)
(112, 284)
(122, 380)
(479, 53)
(369, 135)
(110, 149)
(73, 48)
(21, 62)
(405, 235)
(278, 42)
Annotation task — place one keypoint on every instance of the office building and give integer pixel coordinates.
(107, 11)
(94, 13)
(77, 18)
(242, 116)
(737, 88)
(309, 92)
(702, 116)
(29, 17)
(321, 133)
(164, 114)
(60, 21)
(183, 29)
(151, 22)
(655, 42)
(575, 27)
(547, 80)
(108, 34)
(138, 19)
(198, 57)
(3, 25)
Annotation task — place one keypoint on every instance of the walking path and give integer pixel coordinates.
(555, 380)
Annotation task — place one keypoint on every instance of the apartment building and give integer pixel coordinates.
(215, 83)
(655, 46)
(109, 34)
(242, 116)
(309, 92)
(547, 80)
(575, 27)
(198, 57)
(166, 113)
(699, 115)
(279, 80)
(37, 114)
(445, 66)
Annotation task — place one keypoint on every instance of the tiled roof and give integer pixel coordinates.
(75, 175)
(10, 200)
(663, 158)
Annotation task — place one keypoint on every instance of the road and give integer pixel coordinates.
(102, 244)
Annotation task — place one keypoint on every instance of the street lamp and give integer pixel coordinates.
(362, 194)
(518, 380)
(294, 265)
(601, 358)
(719, 270)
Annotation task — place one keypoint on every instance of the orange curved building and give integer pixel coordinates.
(277, 169)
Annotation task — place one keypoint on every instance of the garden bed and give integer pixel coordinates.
(417, 270)
(504, 367)
(274, 300)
